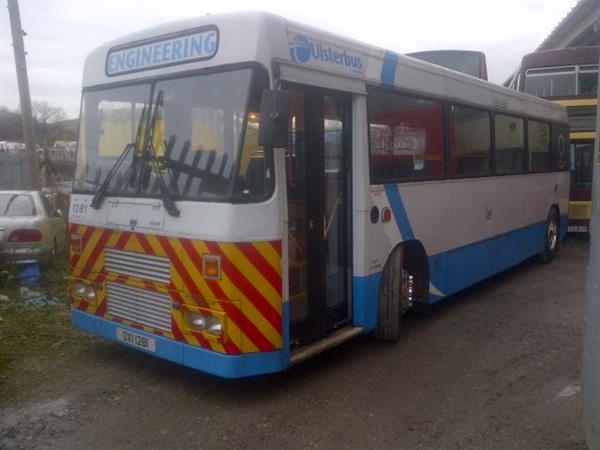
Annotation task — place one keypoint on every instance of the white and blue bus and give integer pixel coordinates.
(251, 191)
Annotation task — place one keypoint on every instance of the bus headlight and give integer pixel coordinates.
(90, 293)
(78, 289)
(201, 322)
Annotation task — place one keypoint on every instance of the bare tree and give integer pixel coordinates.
(44, 116)
(43, 112)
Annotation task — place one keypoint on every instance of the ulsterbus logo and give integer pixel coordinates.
(303, 49)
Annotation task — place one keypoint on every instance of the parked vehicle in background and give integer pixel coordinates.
(465, 61)
(569, 77)
(32, 230)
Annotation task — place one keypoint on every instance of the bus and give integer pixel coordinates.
(466, 61)
(250, 191)
(569, 77)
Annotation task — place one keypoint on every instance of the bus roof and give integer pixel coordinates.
(561, 57)
(264, 38)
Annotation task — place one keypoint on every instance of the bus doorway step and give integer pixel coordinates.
(342, 335)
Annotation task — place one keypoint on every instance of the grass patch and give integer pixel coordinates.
(28, 331)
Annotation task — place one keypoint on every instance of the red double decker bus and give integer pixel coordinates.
(569, 77)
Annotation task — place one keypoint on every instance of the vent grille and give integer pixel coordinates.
(139, 305)
(148, 267)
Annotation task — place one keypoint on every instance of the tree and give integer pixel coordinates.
(45, 113)
(46, 118)
(11, 127)
(49, 122)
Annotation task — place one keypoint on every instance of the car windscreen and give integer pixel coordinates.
(16, 205)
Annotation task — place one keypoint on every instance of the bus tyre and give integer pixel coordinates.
(551, 237)
(393, 300)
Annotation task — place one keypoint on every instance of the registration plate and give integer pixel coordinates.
(578, 229)
(137, 340)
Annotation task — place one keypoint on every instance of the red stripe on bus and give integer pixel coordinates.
(277, 246)
(83, 304)
(122, 278)
(231, 348)
(149, 285)
(201, 340)
(247, 327)
(144, 243)
(101, 310)
(96, 253)
(263, 266)
(258, 300)
(123, 240)
(176, 331)
(179, 267)
(83, 242)
(244, 324)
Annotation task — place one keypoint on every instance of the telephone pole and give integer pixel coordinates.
(24, 99)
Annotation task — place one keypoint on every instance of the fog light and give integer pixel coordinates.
(78, 289)
(90, 293)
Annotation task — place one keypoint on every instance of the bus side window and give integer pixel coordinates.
(470, 141)
(509, 144)
(406, 137)
(538, 144)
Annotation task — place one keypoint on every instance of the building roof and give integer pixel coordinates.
(580, 27)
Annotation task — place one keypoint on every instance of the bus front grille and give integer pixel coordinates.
(140, 265)
(139, 305)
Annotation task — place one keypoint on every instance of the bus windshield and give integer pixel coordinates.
(202, 139)
(566, 81)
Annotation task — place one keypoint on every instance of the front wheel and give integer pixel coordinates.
(393, 298)
(551, 237)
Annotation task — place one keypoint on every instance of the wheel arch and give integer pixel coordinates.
(416, 262)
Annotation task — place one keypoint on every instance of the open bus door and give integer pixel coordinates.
(318, 174)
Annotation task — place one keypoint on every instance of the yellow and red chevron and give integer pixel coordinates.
(248, 294)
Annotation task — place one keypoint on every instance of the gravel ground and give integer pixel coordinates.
(497, 366)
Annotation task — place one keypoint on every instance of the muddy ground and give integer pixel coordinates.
(497, 366)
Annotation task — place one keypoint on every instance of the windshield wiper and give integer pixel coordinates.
(149, 156)
(99, 196)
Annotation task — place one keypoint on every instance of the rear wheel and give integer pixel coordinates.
(393, 298)
(551, 237)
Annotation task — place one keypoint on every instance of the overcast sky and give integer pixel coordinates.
(61, 32)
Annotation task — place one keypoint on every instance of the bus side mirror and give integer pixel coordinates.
(274, 111)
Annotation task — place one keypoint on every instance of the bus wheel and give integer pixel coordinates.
(393, 298)
(551, 237)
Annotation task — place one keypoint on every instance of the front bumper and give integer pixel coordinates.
(226, 366)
